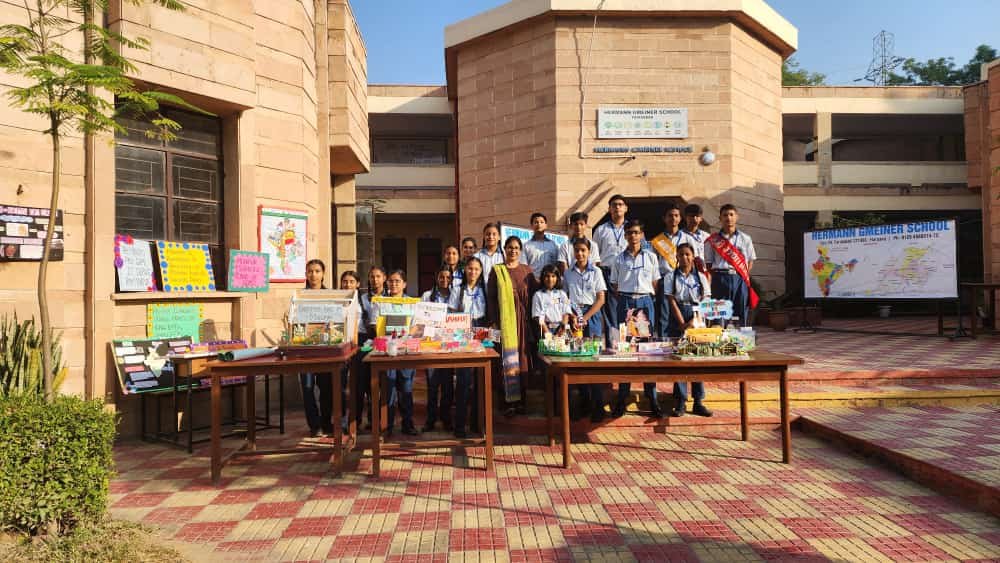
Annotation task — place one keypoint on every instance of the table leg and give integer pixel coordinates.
(281, 405)
(251, 408)
(337, 428)
(744, 422)
(973, 318)
(786, 429)
(488, 412)
(549, 398)
(376, 410)
(564, 409)
(216, 430)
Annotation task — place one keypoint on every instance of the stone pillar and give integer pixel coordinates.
(345, 250)
(824, 149)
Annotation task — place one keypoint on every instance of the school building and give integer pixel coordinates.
(389, 174)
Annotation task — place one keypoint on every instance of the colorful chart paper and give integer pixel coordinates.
(22, 233)
(168, 320)
(248, 271)
(134, 264)
(185, 266)
(143, 365)
(282, 236)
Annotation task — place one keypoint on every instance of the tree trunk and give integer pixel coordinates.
(43, 303)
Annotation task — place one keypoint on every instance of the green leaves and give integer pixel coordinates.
(21, 357)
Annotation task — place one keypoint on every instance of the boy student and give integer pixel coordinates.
(539, 251)
(665, 245)
(683, 289)
(586, 288)
(729, 254)
(692, 226)
(610, 237)
(577, 231)
(634, 277)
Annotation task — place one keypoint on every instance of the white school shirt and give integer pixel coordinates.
(538, 254)
(583, 286)
(471, 301)
(438, 298)
(635, 274)
(611, 240)
(740, 240)
(566, 253)
(551, 305)
(684, 288)
(698, 239)
(489, 260)
(678, 238)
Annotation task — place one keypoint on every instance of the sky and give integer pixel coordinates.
(405, 38)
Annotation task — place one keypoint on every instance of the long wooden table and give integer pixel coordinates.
(480, 361)
(760, 366)
(281, 366)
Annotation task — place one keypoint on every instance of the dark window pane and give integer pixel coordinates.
(198, 133)
(143, 217)
(138, 170)
(364, 219)
(410, 151)
(195, 177)
(135, 133)
(195, 221)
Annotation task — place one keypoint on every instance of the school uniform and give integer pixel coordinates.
(473, 302)
(366, 330)
(583, 287)
(319, 415)
(489, 260)
(440, 382)
(550, 305)
(539, 253)
(662, 307)
(634, 277)
(687, 290)
(567, 257)
(611, 240)
(726, 283)
(698, 241)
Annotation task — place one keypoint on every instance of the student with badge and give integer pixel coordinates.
(577, 231)
(684, 288)
(586, 288)
(634, 277)
(665, 245)
(539, 251)
(692, 228)
(610, 238)
(729, 254)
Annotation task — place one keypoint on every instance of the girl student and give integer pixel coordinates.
(683, 288)
(469, 297)
(366, 330)
(349, 280)
(400, 380)
(318, 416)
(550, 306)
(491, 254)
(451, 259)
(440, 382)
(469, 249)
(586, 288)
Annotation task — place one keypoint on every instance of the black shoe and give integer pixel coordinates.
(328, 430)
(597, 415)
(677, 411)
(461, 434)
(656, 412)
(618, 411)
(429, 427)
(446, 425)
(314, 432)
(701, 410)
(410, 431)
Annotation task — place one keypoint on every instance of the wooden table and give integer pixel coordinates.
(760, 366)
(975, 289)
(275, 365)
(381, 364)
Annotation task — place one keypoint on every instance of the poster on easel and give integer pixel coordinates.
(143, 365)
(282, 235)
(134, 264)
(248, 271)
(167, 320)
(185, 266)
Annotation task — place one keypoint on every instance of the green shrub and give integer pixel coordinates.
(21, 358)
(55, 461)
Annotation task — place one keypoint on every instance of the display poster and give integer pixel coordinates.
(248, 271)
(895, 261)
(143, 365)
(134, 264)
(525, 234)
(282, 236)
(392, 314)
(428, 318)
(167, 320)
(317, 312)
(22, 233)
(714, 309)
(642, 123)
(185, 266)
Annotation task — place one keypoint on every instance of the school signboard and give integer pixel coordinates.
(642, 123)
(896, 261)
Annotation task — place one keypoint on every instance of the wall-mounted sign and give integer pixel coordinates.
(22, 233)
(185, 266)
(170, 320)
(687, 149)
(282, 235)
(248, 271)
(134, 264)
(642, 123)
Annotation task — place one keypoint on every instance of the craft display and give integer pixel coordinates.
(405, 325)
(393, 314)
(569, 344)
(167, 320)
(321, 319)
(134, 264)
(282, 235)
(22, 233)
(185, 266)
(144, 365)
(248, 271)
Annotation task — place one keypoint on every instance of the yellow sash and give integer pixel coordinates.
(666, 248)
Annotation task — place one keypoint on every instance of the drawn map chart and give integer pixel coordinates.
(898, 261)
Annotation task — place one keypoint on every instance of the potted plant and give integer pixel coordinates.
(777, 318)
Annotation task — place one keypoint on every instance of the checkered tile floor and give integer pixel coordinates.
(634, 495)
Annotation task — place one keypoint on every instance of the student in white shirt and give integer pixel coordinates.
(550, 307)
(727, 281)
(585, 286)
(440, 382)
(577, 230)
(470, 298)
(665, 245)
(490, 254)
(539, 251)
(610, 238)
(684, 288)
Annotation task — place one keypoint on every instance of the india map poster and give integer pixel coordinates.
(282, 236)
(897, 261)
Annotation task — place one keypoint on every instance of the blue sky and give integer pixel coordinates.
(405, 38)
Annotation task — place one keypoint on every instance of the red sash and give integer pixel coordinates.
(735, 258)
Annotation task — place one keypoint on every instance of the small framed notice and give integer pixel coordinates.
(134, 264)
(248, 271)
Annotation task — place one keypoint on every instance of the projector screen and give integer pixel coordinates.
(895, 261)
